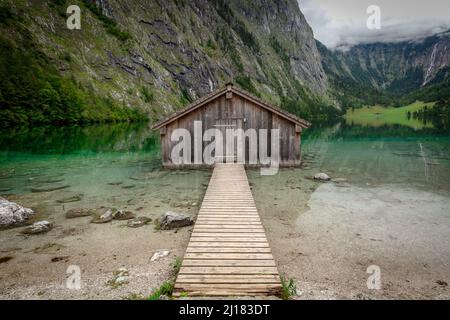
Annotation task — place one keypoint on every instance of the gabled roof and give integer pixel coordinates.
(230, 88)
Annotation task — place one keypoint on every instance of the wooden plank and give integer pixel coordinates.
(232, 256)
(228, 253)
(233, 220)
(229, 234)
(225, 293)
(230, 226)
(229, 270)
(227, 263)
(236, 244)
(253, 287)
(228, 278)
(226, 250)
(231, 239)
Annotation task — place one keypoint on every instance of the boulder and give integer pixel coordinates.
(172, 220)
(38, 227)
(138, 222)
(103, 215)
(322, 177)
(79, 212)
(12, 214)
(124, 215)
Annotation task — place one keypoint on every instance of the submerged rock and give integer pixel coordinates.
(44, 181)
(172, 220)
(124, 215)
(115, 183)
(12, 214)
(5, 189)
(322, 177)
(49, 188)
(103, 215)
(79, 212)
(74, 198)
(138, 222)
(38, 227)
(5, 259)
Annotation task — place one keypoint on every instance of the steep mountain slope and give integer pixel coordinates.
(158, 55)
(380, 69)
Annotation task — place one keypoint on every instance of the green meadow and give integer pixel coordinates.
(377, 116)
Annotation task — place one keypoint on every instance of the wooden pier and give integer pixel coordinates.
(228, 253)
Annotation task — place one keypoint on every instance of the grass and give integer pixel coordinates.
(167, 287)
(377, 116)
(176, 265)
(110, 25)
(288, 288)
(147, 95)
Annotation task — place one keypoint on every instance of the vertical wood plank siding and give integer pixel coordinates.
(236, 108)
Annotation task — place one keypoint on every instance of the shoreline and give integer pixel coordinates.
(343, 229)
(322, 235)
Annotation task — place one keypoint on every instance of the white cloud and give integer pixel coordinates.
(338, 23)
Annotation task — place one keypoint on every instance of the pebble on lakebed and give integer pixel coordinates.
(138, 222)
(49, 188)
(159, 254)
(73, 198)
(322, 177)
(120, 277)
(38, 227)
(124, 215)
(103, 215)
(79, 212)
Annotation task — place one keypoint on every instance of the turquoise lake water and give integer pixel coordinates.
(118, 161)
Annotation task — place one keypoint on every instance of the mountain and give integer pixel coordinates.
(378, 71)
(139, 59)
(152, 56)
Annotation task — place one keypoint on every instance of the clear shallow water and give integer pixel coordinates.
(109, 165)
(120, 163)
(378, 155)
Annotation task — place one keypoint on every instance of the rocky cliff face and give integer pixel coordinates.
(395, 67)
(159, 54)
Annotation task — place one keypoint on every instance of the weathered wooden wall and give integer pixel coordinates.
(236, 107)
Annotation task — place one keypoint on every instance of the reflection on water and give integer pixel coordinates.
(56, 169)
(117, 161)
(375, 155)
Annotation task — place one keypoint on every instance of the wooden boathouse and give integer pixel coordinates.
(231, 107)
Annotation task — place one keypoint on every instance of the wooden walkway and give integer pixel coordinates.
(228, 253)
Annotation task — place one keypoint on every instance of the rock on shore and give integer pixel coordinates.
(12, 214)
(38, 227)
(322, 177)
(172, 220)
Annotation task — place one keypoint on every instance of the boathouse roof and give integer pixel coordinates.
(229, 87)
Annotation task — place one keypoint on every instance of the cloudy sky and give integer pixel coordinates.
(340, 23)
